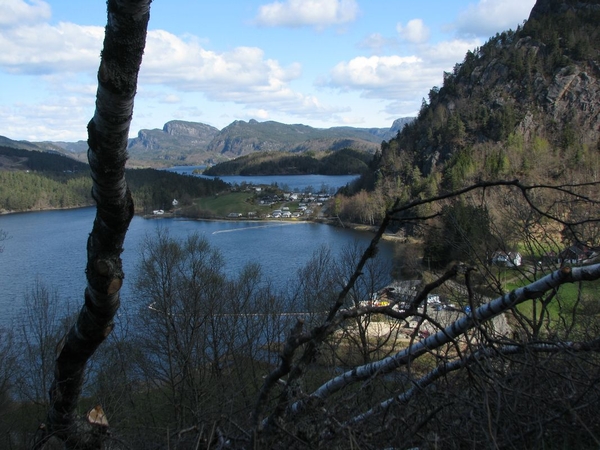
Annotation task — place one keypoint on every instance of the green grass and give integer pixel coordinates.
(564, 300)
(239, 202)
(223, 204)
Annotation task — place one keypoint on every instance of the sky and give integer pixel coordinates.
(323, 63)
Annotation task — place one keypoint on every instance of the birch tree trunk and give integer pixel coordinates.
(125, 38)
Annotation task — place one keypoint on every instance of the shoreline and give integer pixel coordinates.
(331, 221)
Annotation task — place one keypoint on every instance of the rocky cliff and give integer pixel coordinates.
(178, 142)
(534, 89)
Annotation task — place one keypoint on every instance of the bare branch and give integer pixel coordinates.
(483, 313)
(487, 352)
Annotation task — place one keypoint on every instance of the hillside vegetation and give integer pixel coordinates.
(34, 180)
(524, 105)
(341, 162)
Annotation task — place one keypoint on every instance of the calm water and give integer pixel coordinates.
(50, 246)
(296, 183)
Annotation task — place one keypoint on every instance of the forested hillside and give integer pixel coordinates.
(34, 180)
(341, 162)
(525, 105)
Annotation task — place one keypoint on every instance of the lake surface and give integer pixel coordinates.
(51, 246)
(294, 183)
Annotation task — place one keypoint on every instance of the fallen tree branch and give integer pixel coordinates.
(488, 352)
(482, 314)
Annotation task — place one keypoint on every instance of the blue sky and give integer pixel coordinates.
(323, 63)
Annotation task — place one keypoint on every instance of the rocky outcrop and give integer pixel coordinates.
(201, 131)
(176, 132)
(397, 126)
(574, 94)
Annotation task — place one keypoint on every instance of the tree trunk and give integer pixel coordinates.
(125, 38)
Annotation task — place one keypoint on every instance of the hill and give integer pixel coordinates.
(526, 104)
(242, 138)
(36, 180)
(341, 162)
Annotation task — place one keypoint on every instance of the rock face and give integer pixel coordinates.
(193, 134)
(200, 131)
(178, 142)
(574, 93)
(397, 126)
(539, 82)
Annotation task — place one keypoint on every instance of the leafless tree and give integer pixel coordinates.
(45, 322)
(8, 370)
(203, 337)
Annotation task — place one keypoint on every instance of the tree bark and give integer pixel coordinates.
(124, 42)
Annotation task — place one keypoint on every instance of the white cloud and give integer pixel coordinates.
(414, 31)
(448, 53)
(170, 99)
(489, 17)
(18, 12)
(400, 81)
(46, 49)
(381, 76)
(56, 119)
(299, 13)
(242, 75)
(260, 114)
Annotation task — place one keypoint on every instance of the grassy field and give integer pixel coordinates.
(563, 302)
(238, 202)
(222, 205)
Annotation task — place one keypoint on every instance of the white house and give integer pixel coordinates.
(508, 259)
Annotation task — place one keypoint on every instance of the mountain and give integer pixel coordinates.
(193, 143)
(25, 145)
(178, 142)
(242, 138)
(526, 104)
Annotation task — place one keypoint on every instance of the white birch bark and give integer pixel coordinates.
(482, 314)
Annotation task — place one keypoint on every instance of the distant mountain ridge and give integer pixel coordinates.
(196, 143)
(193, 143)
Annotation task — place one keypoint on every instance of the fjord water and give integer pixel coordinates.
(51, 246)
(296, 183)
